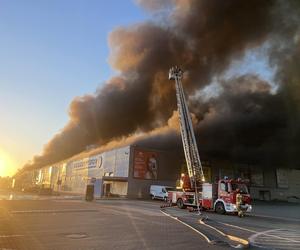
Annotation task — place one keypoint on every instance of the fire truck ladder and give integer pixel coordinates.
(192, 157)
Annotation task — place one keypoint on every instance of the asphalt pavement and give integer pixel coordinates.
(69, 222)
(277, 209)
(107, 224)
(264, 228)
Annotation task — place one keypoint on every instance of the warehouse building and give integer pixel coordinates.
(127, 171)
(130, 171)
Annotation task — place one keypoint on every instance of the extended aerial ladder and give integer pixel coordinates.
(192, 157)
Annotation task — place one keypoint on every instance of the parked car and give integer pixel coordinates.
(160, 192)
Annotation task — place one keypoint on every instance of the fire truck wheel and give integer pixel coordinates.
(220, 208)
(180, 203)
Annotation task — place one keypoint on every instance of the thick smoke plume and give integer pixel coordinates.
(247, 121)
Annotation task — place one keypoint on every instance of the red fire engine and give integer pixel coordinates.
(221, 196)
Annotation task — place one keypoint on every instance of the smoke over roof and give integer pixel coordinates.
(246, 120)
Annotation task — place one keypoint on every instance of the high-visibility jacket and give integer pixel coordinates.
(239, 199)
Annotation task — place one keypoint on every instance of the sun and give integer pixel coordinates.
(6, 164)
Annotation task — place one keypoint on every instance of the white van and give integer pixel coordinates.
(159, 192)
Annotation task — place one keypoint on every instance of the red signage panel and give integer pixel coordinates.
(145, 164)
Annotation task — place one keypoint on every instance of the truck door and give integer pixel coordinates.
(223, 191)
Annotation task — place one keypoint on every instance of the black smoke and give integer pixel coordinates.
(203, 37)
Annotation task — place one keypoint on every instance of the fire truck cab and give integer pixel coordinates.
(220, 196)
(224, 198)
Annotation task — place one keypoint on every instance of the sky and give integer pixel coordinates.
(50, 52)
(54, 50)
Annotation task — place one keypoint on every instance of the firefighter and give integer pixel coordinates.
(239, 201)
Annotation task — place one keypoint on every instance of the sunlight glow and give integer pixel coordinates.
(6, 164)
